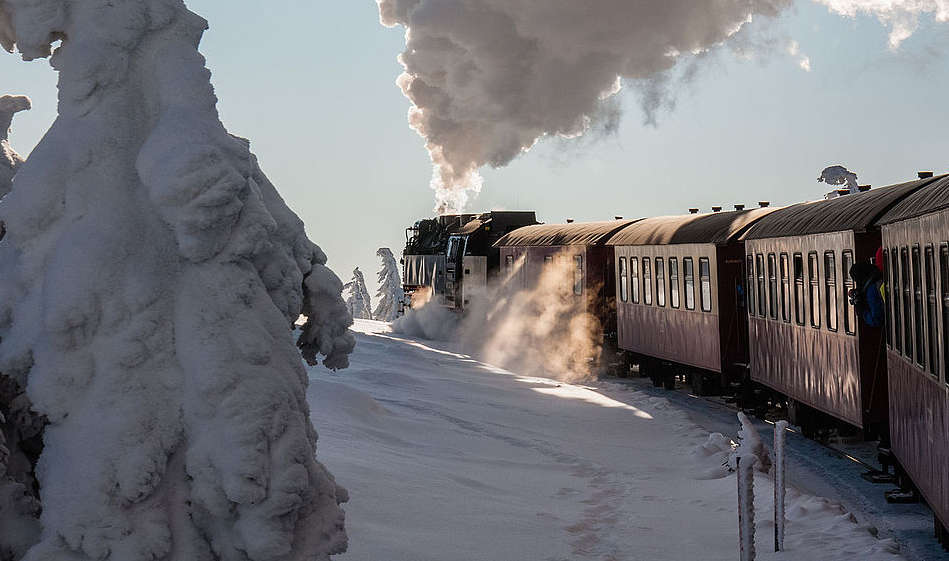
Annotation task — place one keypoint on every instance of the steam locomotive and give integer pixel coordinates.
(755, 303)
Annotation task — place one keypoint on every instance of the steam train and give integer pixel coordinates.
(754, 303)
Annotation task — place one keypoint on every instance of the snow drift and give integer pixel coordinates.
(149, 279)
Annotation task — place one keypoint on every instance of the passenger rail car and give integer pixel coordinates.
(526, 252)
(678, 295)
(805, 341)
(916, 254)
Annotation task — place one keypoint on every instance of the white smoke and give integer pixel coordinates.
(487, 78)
(544, 329)
(901, 16)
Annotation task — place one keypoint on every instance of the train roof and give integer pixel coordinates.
(575, 233)
(857, 212)
(715, 228)
(931, 198)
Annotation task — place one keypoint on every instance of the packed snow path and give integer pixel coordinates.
(447, 458)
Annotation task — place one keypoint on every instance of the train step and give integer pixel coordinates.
(876, 476)
(900, 496)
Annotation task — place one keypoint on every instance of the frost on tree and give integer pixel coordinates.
(390, 287)
(149, 279)
(10, 105)
(357, 296)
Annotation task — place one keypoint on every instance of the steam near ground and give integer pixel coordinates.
(544, 329)
(488, 78)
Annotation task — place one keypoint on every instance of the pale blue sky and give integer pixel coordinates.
(312, 84)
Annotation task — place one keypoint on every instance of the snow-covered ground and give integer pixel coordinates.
(447, 458)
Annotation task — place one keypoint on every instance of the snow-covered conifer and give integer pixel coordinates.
(149, 279)
(357, 296)
(10, 105)
(390, 287)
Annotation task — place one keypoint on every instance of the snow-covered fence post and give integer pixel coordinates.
(746, 507)
(780, 467)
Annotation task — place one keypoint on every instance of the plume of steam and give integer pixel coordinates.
(487, 78)
(838, 175)
(901, 16)
(543, 330)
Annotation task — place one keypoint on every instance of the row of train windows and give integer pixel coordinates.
(636, 287)
(912, 307)
(769, 289)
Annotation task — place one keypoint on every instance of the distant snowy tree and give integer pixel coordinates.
(838, 175)
(357, 297)
(390, 287)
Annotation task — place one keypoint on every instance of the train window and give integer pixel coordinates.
(895, 296)
(623, 280)
(830, 289)
(799, 309)
(705, 277)
(674, 282)
(944, 283)
(578, 274)
(548, 259)
(689, 273)
(647, 282)
(772, 287)
(508, 265)
(660, 282)
(759, 271)
(634, 279)
(785, 289)
(850, 313)
(918, 308)
(813, 276)
(932, 323)
(907, 304)
(750, 286)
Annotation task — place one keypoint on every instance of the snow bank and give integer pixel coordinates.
(148, 282)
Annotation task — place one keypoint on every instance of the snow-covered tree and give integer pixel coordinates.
(149, 279)
(357, 296)
(390, 287)
(10, 105)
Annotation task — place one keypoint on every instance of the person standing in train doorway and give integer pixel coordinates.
(867, 297)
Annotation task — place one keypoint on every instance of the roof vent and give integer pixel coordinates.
(693, 211)
(764, 204)
(924, 174)
(570, 221)
(716, 209)
(863, 188)
(739, 207)
(618, 217)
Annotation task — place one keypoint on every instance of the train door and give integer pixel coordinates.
(733, 312)
(454, 267)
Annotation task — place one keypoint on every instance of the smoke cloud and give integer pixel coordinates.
(542, 330)
(901, 16)
(487, 78)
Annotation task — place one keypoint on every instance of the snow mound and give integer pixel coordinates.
(149, 279)
(711, 459)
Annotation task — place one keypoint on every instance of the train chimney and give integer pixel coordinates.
(739, 207)
(716, 209)
(764, 204)
(924, 174)
(693, 211)
(618, 217)
(570, 221)
(863, 188)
